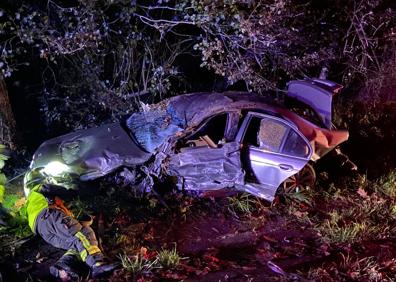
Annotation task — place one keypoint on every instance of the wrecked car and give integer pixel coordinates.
(206, 142)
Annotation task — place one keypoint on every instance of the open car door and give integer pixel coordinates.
(274, 150)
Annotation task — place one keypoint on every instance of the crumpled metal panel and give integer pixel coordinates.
(317, 93)
(93, 152)
(322, 140)
(204, 168)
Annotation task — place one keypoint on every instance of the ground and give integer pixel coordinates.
(343, 230)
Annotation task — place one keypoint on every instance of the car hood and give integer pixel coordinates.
(93, 152)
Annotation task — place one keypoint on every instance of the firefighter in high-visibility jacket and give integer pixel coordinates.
(49, 218)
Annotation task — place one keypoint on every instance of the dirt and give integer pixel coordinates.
(31, 260)
(218, 242)
(220, 246)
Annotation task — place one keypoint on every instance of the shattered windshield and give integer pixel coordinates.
(152, 128)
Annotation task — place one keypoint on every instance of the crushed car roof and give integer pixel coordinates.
(153, 127)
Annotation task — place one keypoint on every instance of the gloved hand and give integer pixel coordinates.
(85, 219)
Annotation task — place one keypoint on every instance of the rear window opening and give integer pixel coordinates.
(265, 133)
(270, 135)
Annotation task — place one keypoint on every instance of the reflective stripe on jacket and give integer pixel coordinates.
(2, 189)
(35, 204)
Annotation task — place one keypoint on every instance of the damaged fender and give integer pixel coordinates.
(205, 168)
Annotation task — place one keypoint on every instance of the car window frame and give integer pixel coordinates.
(289, 125)
(208, 119)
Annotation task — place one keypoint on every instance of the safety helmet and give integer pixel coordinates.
(32, 178)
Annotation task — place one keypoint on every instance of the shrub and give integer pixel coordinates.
(102, 56)
(168, 258)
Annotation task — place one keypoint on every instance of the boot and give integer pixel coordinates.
(102, 268)
(65, 268)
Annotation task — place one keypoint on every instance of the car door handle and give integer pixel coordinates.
(285, 167)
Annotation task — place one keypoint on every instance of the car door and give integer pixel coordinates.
(210, 157)
(274, 149)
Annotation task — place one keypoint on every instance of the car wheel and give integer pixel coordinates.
(303, 180)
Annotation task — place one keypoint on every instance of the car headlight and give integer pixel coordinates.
(55, 168)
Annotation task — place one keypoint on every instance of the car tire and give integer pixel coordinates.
(303, 180)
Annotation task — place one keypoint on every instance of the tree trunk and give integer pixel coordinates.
(7, 121)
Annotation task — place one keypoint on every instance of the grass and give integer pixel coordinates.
(355, 220)
(302, 197)
(293, 209)
(393, 211)
(168, 258)
(364, 269)
(242, 204)
(140, 265)
(137, 264)
(348, 219)
(336, 230)
(341, 234)
(386, 184)
(349, 211)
